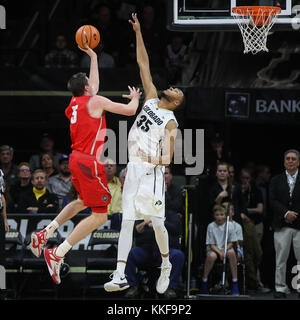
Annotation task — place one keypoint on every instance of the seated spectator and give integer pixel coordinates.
(114, 209)
(47, 164)
(73, 195)
(174, 55)
(23, 184)
(61, 183)
(38, 199)
(105, 60)
(8, 167)
(215, 237)
(46, 145)
(61, 56)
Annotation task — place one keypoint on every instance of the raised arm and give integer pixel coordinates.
(94, 71)
(143, 60)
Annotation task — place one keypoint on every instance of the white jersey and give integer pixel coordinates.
(148, 130)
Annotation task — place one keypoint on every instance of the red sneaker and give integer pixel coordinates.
(38, 240)
(54, 263)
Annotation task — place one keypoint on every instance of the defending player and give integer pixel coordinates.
(86, 113)
(151, 147)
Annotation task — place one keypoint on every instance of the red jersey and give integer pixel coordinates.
(87, 133)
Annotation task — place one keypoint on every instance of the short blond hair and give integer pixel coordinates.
(218, 207)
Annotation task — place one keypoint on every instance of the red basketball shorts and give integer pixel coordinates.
(89, 179)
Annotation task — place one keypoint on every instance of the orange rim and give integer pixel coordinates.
(256, 10)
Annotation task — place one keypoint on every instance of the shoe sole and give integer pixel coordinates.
(112, 289)
(35, 251)
(51, 271)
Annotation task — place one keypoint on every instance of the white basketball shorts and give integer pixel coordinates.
(143, 191)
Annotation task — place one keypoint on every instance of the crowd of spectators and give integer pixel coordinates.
(42, 184)
(117, 46)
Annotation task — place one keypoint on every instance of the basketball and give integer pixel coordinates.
(87, 35)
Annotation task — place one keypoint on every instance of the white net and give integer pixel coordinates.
(255, 24)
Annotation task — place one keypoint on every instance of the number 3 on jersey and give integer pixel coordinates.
(74, 114)
(144, 127)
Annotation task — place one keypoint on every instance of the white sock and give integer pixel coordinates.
(2, 278)
(51, 228)
(121, 268)
(62, 249)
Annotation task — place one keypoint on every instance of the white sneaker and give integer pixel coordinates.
(164, 278)
(117, 283)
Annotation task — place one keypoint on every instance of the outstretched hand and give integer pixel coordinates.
(135, 23)
(133, 93)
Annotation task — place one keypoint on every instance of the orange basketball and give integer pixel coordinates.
(87, 35)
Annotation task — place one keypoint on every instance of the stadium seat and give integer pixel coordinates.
(100, 262)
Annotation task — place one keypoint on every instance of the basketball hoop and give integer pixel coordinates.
(255, 22)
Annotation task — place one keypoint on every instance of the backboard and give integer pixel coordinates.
(215, 15)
